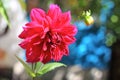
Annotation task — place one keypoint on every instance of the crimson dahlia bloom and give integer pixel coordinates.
(48, 35)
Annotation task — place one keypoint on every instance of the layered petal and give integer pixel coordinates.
(31, 29)
(54, 12)
(37, 15)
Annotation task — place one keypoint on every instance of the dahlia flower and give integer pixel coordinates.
(47, 36)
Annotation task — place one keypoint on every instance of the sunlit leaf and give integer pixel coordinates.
(27, 68)
(49, 66)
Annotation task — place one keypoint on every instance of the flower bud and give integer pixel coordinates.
(89, 20)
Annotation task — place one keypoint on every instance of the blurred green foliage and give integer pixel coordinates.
(110, 39)
(113, 23)
(3, 12)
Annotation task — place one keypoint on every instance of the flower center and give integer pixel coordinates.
(54, 39)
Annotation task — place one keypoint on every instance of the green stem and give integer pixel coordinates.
(34, 65)
(33, 68)
(41, 66)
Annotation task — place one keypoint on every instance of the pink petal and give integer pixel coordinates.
(23, 44)
(47, 57)
(69, 30)
(37, 15)
(54, 12)
(68, 39)
(32, 55)
(44, 46)
(65, 18)
(30, 41)
(31, 29)
(57, 54)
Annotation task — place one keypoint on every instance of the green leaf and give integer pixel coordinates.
(49, 66)
(27, 68)
(3, 12)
